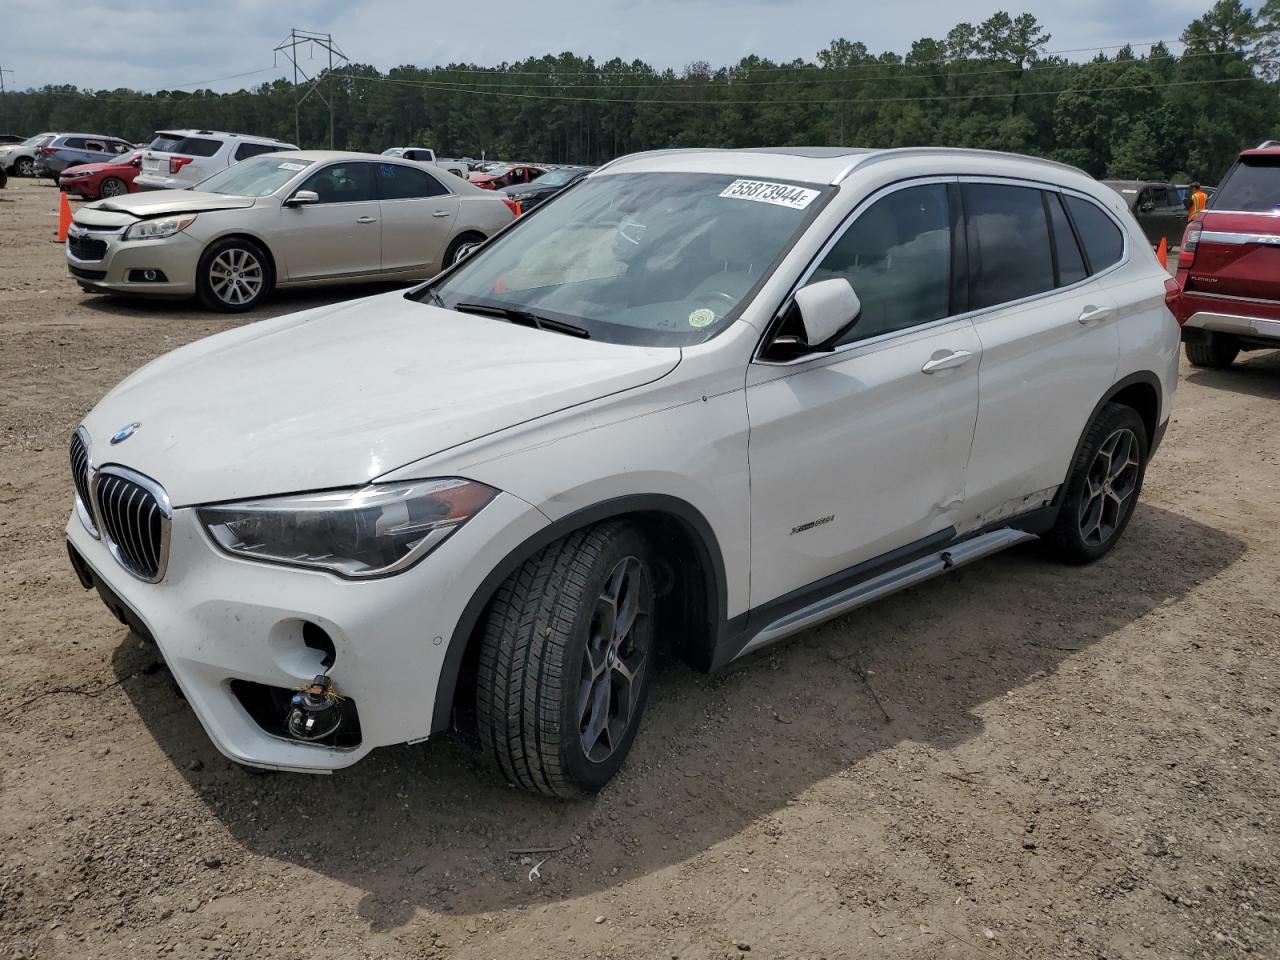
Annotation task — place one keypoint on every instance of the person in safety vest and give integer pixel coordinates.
(1196, 200)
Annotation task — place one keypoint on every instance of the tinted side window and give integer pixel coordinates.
(342, 183)
(1071, 268)
(398, 182)
(247, 150)
(1009, 255)
(74, 143)
(1102, 239)
(897, 256)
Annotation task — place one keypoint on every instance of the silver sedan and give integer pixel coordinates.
(282, 220)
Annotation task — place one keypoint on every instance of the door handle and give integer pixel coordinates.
(1092, 314)
(366, 220)
(956, 358)
(442, 213)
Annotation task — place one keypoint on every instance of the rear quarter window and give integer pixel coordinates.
(1102, 240)
(1252, 185)
(191, 146)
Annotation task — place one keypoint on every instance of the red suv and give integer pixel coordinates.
(1229, 265)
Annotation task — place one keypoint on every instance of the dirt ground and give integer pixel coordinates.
(1020, 760)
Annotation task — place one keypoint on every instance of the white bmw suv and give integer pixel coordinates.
(700, 401)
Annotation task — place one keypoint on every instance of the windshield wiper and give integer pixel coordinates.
(524, 318)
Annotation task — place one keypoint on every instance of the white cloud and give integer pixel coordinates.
(184, 41)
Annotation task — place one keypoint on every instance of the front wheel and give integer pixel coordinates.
(233, 276)
(566, 659)
(1102, 489)
(25, 167)
(112, 187)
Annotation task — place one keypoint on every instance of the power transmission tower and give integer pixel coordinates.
(290, 48)
(3, 71)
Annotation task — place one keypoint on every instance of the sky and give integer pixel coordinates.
(185, 43)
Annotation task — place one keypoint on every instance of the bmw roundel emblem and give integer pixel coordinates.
(124, 433)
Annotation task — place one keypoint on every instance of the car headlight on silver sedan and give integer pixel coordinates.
(370, 531)
(159, 228)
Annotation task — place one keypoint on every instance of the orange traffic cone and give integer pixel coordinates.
(64, 216)
(1162, 252)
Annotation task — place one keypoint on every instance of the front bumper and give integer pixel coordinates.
(218, 619)
(120, 267)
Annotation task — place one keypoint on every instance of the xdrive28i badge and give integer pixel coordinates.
(125, 432)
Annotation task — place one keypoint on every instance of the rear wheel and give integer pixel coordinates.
(233, 276)
(566, 659)
(25, 167)
(459, 247)
(1103, 487)
(1216, 350)
(113, 187)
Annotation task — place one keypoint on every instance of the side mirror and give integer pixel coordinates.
(1147, 207)
(136, 162)
(827, 308)
(303, 198)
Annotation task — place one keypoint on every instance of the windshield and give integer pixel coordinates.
(555, 178)
(392, 152)
(658, 259)
(1252, 185)
(38, 140)
(256, 177)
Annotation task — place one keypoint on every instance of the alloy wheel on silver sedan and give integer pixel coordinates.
(236, 276)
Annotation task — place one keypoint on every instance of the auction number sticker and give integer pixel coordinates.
(292, 166)
(762, 191)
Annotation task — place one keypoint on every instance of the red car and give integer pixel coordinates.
(94, 181)
(1229, 265)
(507, 175)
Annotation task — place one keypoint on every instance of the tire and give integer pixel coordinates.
(112, 187)
(553, 718)
(456, 246)
(25, 167)
(1215, 350)
(1102, 488)
(234, 275)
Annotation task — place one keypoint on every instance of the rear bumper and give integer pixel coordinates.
(1218, 317)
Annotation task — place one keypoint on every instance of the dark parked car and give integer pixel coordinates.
(546, 186)
(72, 149)
(1156, 206)
(11, 138)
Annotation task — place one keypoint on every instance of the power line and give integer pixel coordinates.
(723, 102)
(500, 71)
(730, 83)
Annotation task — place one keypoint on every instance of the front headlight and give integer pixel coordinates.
(371, 531)
(159, 228)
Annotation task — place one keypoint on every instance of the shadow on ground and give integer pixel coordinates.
(1255, 374)
(427, 826)
(286, 300)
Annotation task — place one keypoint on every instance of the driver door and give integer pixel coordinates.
(341, 235)
(863, 450)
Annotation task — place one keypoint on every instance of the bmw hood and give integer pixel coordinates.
(341, 395)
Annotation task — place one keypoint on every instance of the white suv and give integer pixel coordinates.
(176, 159)
(704, 400)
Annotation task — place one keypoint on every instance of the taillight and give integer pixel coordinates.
(512, 205)
(1173, 298)
(1190, 240)
(177, 163)
(48, 151)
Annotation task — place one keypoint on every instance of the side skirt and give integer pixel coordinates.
(882, 584)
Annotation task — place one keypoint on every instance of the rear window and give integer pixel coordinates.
(191, 146)
(1253, 184)
(1102, 239)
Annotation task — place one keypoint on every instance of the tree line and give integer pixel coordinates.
(1127, 114)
